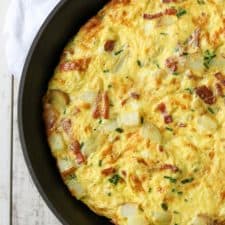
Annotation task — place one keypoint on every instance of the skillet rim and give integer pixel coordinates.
(41, 191)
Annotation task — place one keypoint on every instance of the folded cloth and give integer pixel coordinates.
(23, 20)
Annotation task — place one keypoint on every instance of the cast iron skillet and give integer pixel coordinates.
(61, 25)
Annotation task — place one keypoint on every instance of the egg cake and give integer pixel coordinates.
(135, 112)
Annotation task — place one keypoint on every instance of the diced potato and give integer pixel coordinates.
(88, 96)
(58, 99)
(202, 220)
(129, 119)
(150, 131)
(110, 125)
(56, 142)
(64, 164)
(206, 124)
(128, 210)
(137, 220)
(76, 188)
(161, 217)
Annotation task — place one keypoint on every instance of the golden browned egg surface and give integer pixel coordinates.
(135, 112)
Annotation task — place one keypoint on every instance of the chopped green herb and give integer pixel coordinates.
(100, 121)
(142, 120)
(187, 180)
(175, 212)
(171, 179)
(110, 85)
(181, 12)
(118, 52)
(81, 145)
(109, 194)
(105, 71)
(162, 33)
(173, 190)
(100, 163)
(211, 110)
(114, 179)
(208, 57)
(175, 73)
(201, 2)
(189, 90)
(186, 200)
(71, 176)
(169, 129)
(180, 192)
(64, 112)
(139, 63)
(119, 130)
(150, 190)
(164, 206)
(185, 53)
(157, 64)
(176, 224)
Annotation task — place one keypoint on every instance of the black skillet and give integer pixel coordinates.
(60, 26)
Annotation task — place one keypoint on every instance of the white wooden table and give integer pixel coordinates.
(20, 203)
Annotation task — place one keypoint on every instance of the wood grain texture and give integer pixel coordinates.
(28, 206)
(5, 150)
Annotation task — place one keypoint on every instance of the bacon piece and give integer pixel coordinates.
(169, 167)
(124, 101)
(50, 117)
(168, 119)
(169, 1)
(161, 107)
(152, 16)
(219, 89)
(171, 63)
(220, 77)
(136, 183)
(66, 125)
(170, 12)
(134, 95)
(97, 108)
(75, 148)
(206, 94)
(105, 109)
(78, 65)
(195, 38)
(108, 171)
(109, 45)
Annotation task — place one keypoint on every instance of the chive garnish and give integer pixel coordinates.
(171, 179)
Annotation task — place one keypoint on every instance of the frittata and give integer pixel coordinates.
(135, 112)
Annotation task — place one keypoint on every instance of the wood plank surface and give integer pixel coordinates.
(5, 150)
(28, 206)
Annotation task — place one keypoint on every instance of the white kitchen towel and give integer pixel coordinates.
(23, 20)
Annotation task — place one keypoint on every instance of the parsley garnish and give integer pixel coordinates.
(211, 110)
(164, 206)
(208, 57)
(139, 63)
(119, 130)
(118, 52)
(150, 190)
(189, 90)
(81, 145)
(171, 179)
(162, 33)
(169, 129)
(105, 71)
(201, 2)
(175, 73)
(114, 179)
(142, 120)
(181, 12)
(100, 163)
(187, 180)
